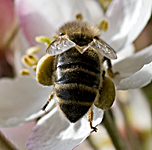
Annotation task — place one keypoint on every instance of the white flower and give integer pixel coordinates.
(22, 98)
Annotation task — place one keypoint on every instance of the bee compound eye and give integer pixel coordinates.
(61, 34)
(96, 37)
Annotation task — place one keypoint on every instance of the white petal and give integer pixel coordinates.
(127, 51)
(44, 17)
(137, 80)
(20, 98)
(53, 132)
(126, 20)
(18, 135)
(95, 13)
(20, 46)
(130, 65)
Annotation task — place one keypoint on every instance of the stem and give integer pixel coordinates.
(132, 138)
(112, 130)
(5, 144)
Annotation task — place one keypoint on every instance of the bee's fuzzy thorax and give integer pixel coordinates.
(79, 27)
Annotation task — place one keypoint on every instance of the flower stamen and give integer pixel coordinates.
(29, 60)
(33, 50)
(25, 72)
(44, 39)
(34, 68)
(105, 4)
(103, 25)
(79, 16)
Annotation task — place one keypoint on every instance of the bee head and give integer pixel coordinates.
(81, 33)
(81, 36)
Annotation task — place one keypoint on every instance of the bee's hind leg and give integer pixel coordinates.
(49, 99)
(90, 118)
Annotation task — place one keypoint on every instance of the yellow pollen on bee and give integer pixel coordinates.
(79, 16)
(29, 60)
(105, 4)
(25, 72)
(103, 25)
(33, 50)
(44, 39)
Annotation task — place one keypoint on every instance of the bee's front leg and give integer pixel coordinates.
(109, 70)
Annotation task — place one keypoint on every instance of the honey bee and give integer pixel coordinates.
(74, 65)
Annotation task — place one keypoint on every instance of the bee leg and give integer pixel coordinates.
(109, 70)
(90, 118)
(49, 99)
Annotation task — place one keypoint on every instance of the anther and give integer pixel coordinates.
(33, 50)
(103, 25)
(29, 60)
(25, 72)
(79, 16)
(34, 68)
(105, 4)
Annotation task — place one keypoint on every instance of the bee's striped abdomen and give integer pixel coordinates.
(77, 81)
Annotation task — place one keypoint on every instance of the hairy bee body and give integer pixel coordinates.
(77, 82)
(74, 65)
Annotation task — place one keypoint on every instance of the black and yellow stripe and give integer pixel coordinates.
(77, 81)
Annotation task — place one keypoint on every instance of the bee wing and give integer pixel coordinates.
(103, 48)
(60, 45)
